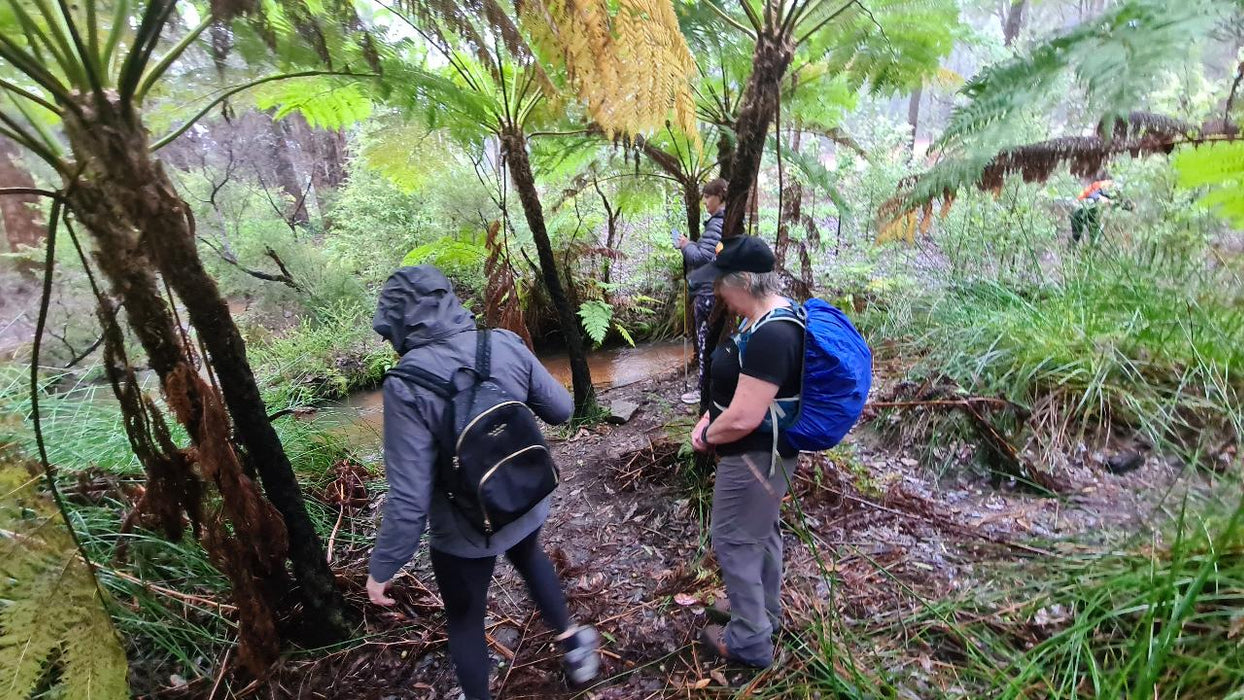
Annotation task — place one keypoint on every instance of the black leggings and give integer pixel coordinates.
(464, 588)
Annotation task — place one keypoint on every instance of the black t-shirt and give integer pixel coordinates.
(773, 354)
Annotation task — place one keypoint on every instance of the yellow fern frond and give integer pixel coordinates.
(52, 619)
(630, 67)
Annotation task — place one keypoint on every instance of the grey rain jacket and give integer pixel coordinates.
(421, 317)
(698, 254)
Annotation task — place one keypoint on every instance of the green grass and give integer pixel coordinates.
(1153, 621)
(166, 596)
(323, 358)
(1144, 339)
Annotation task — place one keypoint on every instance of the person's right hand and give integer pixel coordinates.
(683, 241)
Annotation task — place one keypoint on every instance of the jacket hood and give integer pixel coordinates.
(418, 307)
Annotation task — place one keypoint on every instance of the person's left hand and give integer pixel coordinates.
(696, 443)
(376, 592)
(683, 241)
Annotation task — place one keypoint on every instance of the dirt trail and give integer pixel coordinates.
(626, 535)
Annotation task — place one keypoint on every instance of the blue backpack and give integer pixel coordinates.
(837, 374)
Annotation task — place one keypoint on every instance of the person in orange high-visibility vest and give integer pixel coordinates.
(1087, 215)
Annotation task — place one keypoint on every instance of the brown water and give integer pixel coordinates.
(361, 415)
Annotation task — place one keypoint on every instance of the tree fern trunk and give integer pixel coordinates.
(758, 108)
(725, 154)
(756, 113)
(138, 221)
(514, 147)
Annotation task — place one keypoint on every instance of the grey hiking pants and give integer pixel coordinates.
(747, 540)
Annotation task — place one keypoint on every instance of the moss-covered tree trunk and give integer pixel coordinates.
(140, 226)
(514, 151)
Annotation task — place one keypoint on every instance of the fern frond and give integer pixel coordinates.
(1115, 60)
(326, 103)
(631, 67)
(52, 623)
(891, 46)
(1218, 166)
(503, 308)
(597, 317)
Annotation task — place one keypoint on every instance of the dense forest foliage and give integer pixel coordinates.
(201, 201)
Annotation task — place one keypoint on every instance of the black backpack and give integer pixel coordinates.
(494, 465)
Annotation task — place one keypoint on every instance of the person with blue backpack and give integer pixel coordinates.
(465, 457)
(791, 378)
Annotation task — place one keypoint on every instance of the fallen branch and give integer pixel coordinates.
(284, 277)
(170, 593)
(1005, 456)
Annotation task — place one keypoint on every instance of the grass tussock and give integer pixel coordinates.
(1143, 339)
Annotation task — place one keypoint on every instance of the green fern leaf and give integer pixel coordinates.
(626, 335)
(596, 317)
(52, 623)
(325, 103)
(1220, 168)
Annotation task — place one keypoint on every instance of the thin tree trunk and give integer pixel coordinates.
(692, 199)
(514, 148)
(130, 206)
(913, 114)
(690, 185)
(327, 167)
(612, 216)
(287, 174)
(792, 209)
(1014, 22)
(19, 213)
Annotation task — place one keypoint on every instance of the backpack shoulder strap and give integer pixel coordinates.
(483, 355)
(421, 377)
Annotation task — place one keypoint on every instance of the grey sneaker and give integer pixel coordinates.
(581, 661)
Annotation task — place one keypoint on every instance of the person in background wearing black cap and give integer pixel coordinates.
(755, 466)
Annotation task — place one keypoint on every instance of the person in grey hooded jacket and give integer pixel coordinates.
(697, 255)
(421, 317)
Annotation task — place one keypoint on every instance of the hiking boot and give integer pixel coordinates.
(691, 398)
(719, 612)
(713, 639)
(580, 660)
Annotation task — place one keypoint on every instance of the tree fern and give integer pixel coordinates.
(1114, 59)
(597, 316)
(54, 629)
(1219, 167)
(809, 170)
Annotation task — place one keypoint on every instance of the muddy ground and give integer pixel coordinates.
(627, 534)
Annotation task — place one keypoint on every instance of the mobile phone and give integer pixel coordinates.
(675, 234)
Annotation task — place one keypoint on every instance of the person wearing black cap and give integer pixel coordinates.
(752, 372)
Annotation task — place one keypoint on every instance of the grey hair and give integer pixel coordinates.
(757, 284)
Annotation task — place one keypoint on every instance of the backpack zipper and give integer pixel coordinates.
(476, 419)
(479, 494)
